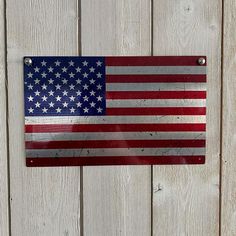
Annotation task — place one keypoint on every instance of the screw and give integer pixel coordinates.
(28, 61)
(201, 61)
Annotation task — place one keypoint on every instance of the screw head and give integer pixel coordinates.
(28, 61)
(201, 61)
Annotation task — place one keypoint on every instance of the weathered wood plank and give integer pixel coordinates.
(117, 200)
(228, 211)
(186, 198)
(4, 224)
(44, 201)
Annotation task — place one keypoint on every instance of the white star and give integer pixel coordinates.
(99, 110)
(85, 98)
(58, 110)
(50, 69)
(72, 98)
(43, 63)
(85, 63)
(99, 98)
(99, 87)
(78, 104)
(78, 93)
(64, 81)
(85, 75)
(36, 81)
(78, 69)
(50, 81)
(45, 110)
(71, 75)
(58, 87)
(44, 87)
(86, 110)
(30, 87)
(57, 63)
(51, 93)
(37, 93)
(72, 87)
(58, 98)
(72, 110)
(65, 104)
(92, 93)
(91, 69)
(37, 104)
(65, 93)
(92, 104)
(57, 75)
(30, 75)
(71, 63)
(44, 75)
(99, 75)
(36, 69)
(99, 63)
(51, 104)
(85, 87)
(44, 98)
(64, 69)
(30, 98)
(78, 81)
(92, 81)
(31, 110)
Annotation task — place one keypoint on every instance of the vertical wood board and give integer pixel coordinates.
(228, 211)
(186, 198)
(4, 224)
(117, 200)
(44, 201)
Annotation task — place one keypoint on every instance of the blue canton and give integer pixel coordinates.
(65, 86)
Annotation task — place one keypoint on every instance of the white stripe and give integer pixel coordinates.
(155, 87)
(156, 103)
(154, 70)
(113, 119)
(114, 152)
(113, 136)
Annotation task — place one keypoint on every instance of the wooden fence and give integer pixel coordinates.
(122, 200)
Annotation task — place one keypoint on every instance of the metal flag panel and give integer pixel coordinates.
(115, 110)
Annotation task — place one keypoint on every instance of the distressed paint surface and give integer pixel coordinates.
(4, 214)
(117, 200)
(228, 211)
(188, 202)
(43, 201)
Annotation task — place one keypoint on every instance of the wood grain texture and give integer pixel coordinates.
(4, 224)
(186, 198)
(228, 211)
(117, 200)
(44, 201)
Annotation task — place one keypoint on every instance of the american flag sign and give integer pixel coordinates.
(115, 110)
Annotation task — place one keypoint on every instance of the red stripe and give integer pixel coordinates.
(150, 111)
(155, 78)
(153, 61)
(114, 144)
(122, 160)
(47, 128)
(157, 95)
